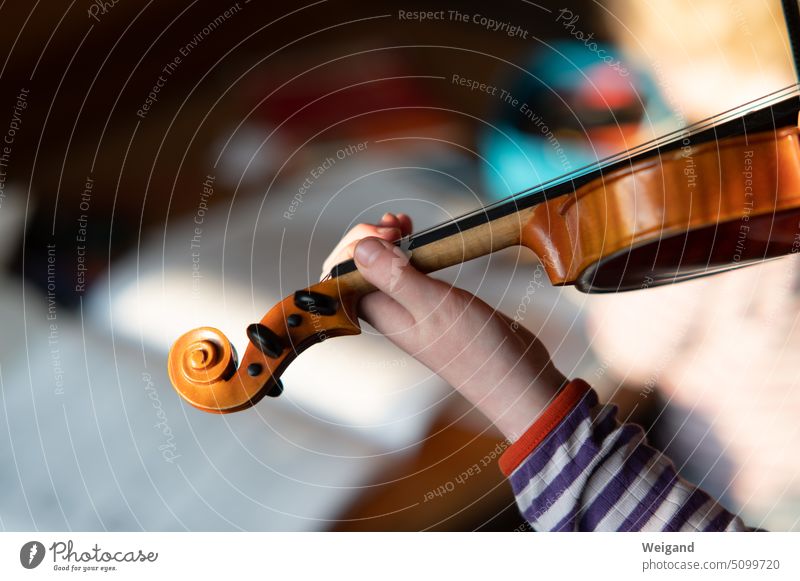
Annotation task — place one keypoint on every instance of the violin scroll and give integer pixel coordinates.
(203, 356)
(203, 365)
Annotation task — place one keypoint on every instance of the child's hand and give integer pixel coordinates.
(506, 372)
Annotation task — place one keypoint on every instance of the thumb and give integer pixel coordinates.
(387, 267)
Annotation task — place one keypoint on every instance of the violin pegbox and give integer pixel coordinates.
(202, 363)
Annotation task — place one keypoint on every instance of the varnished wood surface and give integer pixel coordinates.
(647, 202)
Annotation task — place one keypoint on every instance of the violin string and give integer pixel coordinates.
(642, 148)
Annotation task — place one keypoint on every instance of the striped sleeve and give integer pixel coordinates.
(578, 468)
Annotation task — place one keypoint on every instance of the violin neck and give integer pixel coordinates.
(451, 246)
(490, 236)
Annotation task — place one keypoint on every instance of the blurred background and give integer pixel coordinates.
(171, 165)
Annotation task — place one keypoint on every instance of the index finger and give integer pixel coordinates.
(390, 228)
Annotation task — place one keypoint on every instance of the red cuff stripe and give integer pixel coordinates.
(564, 402)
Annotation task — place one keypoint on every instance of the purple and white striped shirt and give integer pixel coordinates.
(588, 472)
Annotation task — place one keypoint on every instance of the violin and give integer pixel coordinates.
(718, 195)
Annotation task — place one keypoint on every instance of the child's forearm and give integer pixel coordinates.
(577, 468)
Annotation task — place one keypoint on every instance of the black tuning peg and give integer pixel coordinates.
(318, 303)
(265, 340)
(276, 389)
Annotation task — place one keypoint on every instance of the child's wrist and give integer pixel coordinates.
(515, 411)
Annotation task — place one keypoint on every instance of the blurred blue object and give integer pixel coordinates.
(574, 104)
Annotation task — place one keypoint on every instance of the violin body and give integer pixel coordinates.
(698, 206)
(687, 213)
